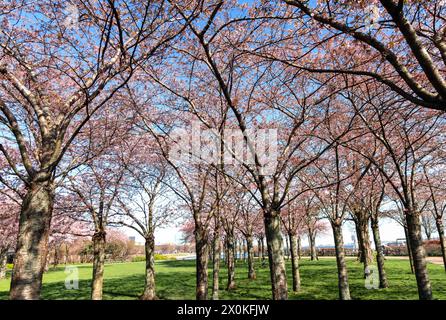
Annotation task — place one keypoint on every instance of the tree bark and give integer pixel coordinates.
(419, 255)
(32, 241)
(344, 289)
(383, 283)
(202, 249)
(98, 265)
(3, 262)
(312, 240)
(250, 249)
(274, 243)
(365, 255)
(441, 235)
(409, 250)
(231, 247)
(216, 264)
(149, 289)
(294, 261)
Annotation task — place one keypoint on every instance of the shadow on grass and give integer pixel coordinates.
(176, 280)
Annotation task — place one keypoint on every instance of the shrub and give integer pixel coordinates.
(138, 258)
(162, 257)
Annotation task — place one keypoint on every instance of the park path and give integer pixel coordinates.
(434, 260)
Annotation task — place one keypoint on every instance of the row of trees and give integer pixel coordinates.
(92, 99)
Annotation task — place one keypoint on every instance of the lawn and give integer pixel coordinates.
(176, 280)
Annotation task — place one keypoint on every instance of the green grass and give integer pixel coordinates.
(176, 280)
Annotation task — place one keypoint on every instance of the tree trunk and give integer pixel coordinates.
(344, 289)
(149, 289)
(419, 256)
(287, 250)
(3, 262)
(312, 240)
(201, 248)
(409, 250)
(441, 235)
(216, 264)
(362, 229)
(274, 243)
(379, 254)
(231, 247)
(294, 262)
(98, 265)
(250, 248)
(32, 241)
(260, 249)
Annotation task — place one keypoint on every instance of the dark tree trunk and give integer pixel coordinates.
(32, 241)
(202, 249)
(56, 257)
(260, 249)
(294, 262)
(441, 235)
(409, 250)
(365, 250)
(98, 265)
(379, 254)
(344, 289)
(231, 247)
(250, 248)
(274, 243)
(216, 264)
(149, 289)
(419, 256)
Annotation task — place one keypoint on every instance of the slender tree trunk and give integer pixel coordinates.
(365, 250)
(274, 243)
(250, 248)
(98, 265)
(379, 254)
(312, 240)
(259, 247)
(419, 255)
(294, 261)
(216, 264)
(3, 262)
(56, 256)
(287, 250)
(441, 235)
(149, 289)
(344, 289)
(201, 248)
(231, 245)
(262, 242)
(409, 250)
(32, 241)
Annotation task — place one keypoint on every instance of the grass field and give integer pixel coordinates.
(176, 280)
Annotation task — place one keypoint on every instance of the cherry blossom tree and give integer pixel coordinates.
(398, 43)
(58, 68)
